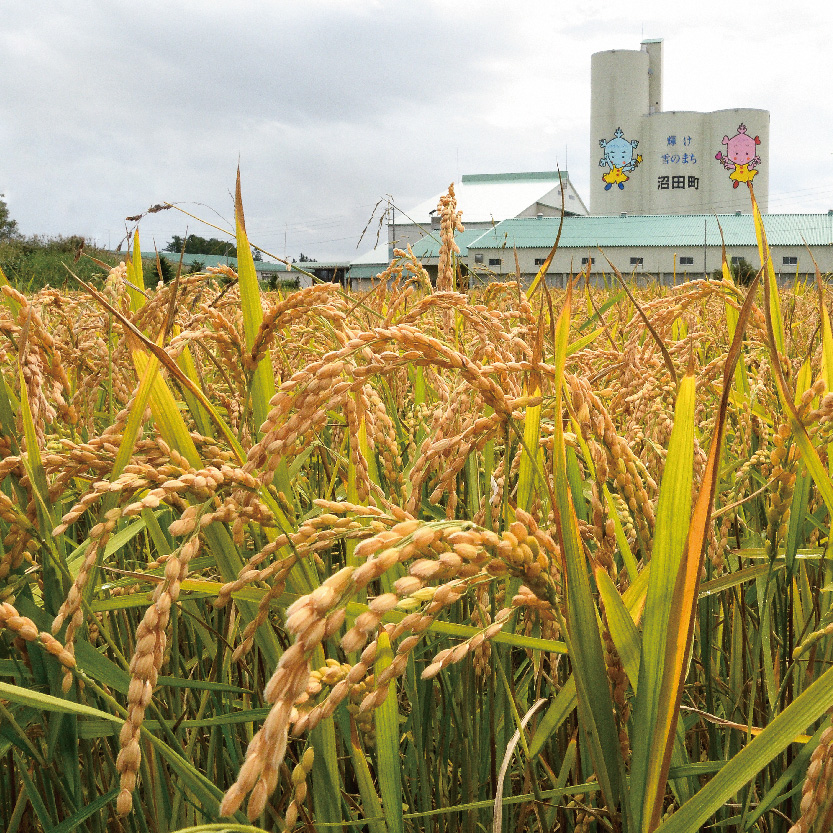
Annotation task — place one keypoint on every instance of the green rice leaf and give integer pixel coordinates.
(387, 742)
(808, 707)
(673, 511)
(583, 640)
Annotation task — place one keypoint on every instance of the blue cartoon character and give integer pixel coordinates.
(620, 158)
(741, 157)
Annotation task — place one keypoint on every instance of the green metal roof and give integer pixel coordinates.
(214, 260)
(529, 176)
(659, 230)
(429, 246)
(365, 271)
(188, 259)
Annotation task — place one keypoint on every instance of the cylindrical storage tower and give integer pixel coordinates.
(740, 138)
(619, 98)
(676, 163)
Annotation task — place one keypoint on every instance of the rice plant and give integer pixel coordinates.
(415, 559)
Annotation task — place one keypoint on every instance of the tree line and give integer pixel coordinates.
(196, 245)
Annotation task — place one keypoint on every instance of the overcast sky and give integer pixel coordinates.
(109, 107)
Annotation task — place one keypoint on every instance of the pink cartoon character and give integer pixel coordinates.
(741, 156)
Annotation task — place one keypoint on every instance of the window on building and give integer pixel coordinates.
(686, 261)
(585, 261)
(736, 261)
(539, 261)
(478, 258)
(636, 261)
(494, 261)
(790, 260)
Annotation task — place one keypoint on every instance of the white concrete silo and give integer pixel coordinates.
(619, 99)
(657, 162)
(723, 196)
(676, 163)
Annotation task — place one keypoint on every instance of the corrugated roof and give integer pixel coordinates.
(370, 263)
(658, 230)
(429, 246)
(529, 176)
(212, 260)
(188, 259)
(485, 197)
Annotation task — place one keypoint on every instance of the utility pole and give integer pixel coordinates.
(392, 229)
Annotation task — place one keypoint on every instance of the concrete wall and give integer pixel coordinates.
(405, 234)
(655, 261)
(653, 48)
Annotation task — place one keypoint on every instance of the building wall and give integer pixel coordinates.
(548, 206)
(653, 48)
(656, 261)
(406, 234)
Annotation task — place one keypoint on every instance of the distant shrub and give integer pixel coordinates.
(742, 271)
(32, 263)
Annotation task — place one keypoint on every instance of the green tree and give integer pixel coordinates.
(8, 227)
(196, 245)
(163, 270)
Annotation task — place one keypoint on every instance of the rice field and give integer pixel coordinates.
(511, 559)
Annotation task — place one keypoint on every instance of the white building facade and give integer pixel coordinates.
(487, 199)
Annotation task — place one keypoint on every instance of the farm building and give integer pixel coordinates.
(668, 248)
(487, 199)
(366, 267)
(663, 247)
(663, 185)
(268, 274)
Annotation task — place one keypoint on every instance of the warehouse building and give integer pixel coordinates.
(487, 199)
(364, 269)
(667, 248)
